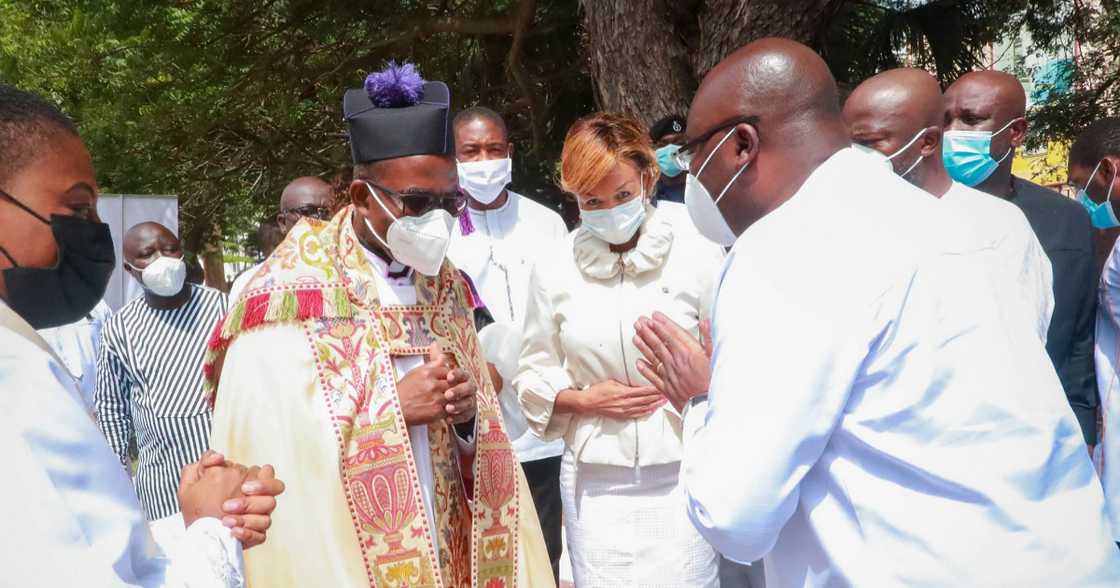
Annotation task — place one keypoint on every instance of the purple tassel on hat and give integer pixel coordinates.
(396, 86)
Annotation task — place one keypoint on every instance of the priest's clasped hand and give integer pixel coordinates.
(437, 390)
(676, 363)
(242, 497)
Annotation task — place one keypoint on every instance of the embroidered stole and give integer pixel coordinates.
(354, 340)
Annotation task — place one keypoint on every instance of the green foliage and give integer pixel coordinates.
(222, 103)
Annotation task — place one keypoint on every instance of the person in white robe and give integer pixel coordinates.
(497, 241)
(1094, 163)
(897, 427)
(76, 344)
(72, 517)
(624, 513)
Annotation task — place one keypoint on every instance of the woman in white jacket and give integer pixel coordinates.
(624, 513)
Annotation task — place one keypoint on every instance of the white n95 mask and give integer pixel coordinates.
(703, 209)
(485, 180)
(617, 225)
(420, 242)
(164, 276)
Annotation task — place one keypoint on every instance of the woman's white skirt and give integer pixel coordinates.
(629, 528)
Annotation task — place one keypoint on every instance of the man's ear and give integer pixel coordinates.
(359, 195)
(1018, 132)
(746, 144)
(509, 150)
(1107, 174)
(931, 142)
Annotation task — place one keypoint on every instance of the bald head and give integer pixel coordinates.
(995, 102)
(142, 241)
(777, 80)
(304, 196)
(776, 103)
(898, 113)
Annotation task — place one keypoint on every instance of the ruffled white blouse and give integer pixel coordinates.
(579, 327)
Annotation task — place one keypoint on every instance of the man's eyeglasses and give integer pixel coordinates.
(419, 203)
(322, 213)
(684, 155)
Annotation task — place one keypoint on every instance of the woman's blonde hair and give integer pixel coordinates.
(596, 144)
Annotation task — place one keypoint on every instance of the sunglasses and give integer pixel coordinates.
(419, 203)
(322, 213)
(684, 155)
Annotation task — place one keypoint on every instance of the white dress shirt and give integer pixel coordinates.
(498, 256)
(876, 417)
(1107, 355)
(76, 344)
(70, 513)
(1027, 279)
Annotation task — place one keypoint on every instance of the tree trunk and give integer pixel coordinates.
(647, 57)
(639, 59)
(213, 260)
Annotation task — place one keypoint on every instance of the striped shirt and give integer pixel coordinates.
(149, 386)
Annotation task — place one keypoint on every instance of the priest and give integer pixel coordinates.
(352, 362)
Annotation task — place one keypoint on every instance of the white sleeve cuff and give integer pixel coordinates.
(208, 556)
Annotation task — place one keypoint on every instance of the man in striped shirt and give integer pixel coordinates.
(149, 382)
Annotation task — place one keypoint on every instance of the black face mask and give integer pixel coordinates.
(52, 297)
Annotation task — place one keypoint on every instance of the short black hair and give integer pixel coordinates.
(468, 115)
(27, 123)
(667, 125)
(1098, 140)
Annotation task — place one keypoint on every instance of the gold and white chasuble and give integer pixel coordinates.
(303, 378)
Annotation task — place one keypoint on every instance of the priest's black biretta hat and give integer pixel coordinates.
(398, 114)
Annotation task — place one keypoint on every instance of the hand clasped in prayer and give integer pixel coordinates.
(676, 363)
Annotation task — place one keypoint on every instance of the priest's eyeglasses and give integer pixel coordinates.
(417, 203)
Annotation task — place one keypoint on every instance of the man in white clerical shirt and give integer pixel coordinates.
(497, 241)
(70, 513)
(892, 425)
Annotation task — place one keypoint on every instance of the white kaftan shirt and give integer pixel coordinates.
(76, 344)
(876, 416)
(1107, 352)
(1027, 278)
(498, 256)
(70, 514)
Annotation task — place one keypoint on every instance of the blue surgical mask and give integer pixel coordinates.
(667, 162)
(1102, 215)
(968, 154)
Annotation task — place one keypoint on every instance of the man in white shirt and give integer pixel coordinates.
(1094, 164)
(899, 114)
(896, 426)
(71, 515)
(303, 197)
(76, 344)
(497, 241)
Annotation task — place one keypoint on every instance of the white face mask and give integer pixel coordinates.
(891, 157)
(164, 276)
(420, 242)
(703, 209)
(616, 225)
(485, 180)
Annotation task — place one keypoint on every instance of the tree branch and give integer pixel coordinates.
(523, 18)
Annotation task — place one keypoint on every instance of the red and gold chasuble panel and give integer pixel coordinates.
(320, 277)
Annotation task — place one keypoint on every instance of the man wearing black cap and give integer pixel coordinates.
(352, 358)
